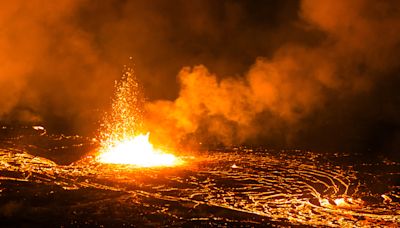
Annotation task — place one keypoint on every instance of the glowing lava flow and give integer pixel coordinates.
(120, 140)
(137, 151)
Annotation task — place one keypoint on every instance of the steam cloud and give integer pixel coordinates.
(51, 68)
(324, 76)
(300, 91)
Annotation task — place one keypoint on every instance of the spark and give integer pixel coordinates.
(122, 141)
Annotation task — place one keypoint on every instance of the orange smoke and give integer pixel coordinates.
(319, 66)
(295, 83)
(50, 67)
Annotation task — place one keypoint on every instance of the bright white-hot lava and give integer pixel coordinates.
(137, 151)
(121, 140)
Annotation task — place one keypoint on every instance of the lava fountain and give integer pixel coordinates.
(121, 139)
(137, 150)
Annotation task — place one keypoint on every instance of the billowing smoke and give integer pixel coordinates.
(50, 68)
(310, 74)
(330, 92)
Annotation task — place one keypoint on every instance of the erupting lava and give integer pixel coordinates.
(137, 151)
(120, 141)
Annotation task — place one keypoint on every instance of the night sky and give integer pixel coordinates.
(314, 74)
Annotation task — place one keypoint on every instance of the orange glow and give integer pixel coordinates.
(121, 139)
(341, 202)
(348, 203)
(137, 151)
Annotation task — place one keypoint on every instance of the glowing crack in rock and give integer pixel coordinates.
(137, 151)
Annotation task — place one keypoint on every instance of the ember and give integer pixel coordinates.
(229, 113)
(263, 187)
(121, 141)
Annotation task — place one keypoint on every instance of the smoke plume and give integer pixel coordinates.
(304, 74)
(50, 68)
(301, 93)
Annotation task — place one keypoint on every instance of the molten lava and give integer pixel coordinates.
(137, 151)
(121, 140)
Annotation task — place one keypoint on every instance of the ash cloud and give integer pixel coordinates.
(51, 70)
(334, 95)
(300, 74)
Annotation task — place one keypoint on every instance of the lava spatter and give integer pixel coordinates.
(121, 139)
